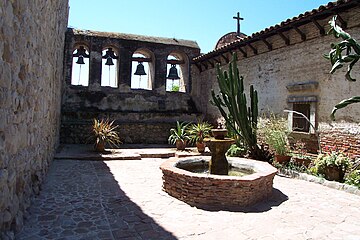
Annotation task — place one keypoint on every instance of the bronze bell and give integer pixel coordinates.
(140, 69)
(109, 61)
(80, 60)
(173, 74)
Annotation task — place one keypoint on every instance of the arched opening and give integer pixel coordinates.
(142, 70)
(109, 68)
(80, 66)
(176, 80)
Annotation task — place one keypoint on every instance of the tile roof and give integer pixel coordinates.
(301, 19)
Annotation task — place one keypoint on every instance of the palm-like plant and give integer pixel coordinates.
(179, 135)
(104, 131)
(199, 131)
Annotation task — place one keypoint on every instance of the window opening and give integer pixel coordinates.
(80, 67)
(300, 124)
(109, 71)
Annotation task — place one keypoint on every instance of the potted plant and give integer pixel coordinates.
(276, 136)
(299, 156)
(332, 165)
(197, 132)
(179, 135)
(104, 132)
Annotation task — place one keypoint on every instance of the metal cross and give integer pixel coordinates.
(238, 18)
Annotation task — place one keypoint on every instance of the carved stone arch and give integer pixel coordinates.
(85, 44)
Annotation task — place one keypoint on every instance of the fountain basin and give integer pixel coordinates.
(203, 190)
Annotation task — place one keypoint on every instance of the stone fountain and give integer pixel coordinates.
(218, 147)
(211, 182)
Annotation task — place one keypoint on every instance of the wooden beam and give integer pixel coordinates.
(321, 29)
(174, 61)
(269, 46)
(205, 65)
(225, 57)
(211, 63)
(141, 59)
(198, 66)
(217, 61)
(286, 39)
(303, 36)
(253, 49)
(242, 51)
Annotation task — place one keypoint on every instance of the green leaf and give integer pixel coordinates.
(343, 104)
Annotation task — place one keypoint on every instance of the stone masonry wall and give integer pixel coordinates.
(143, 115)
(271, 72)
(32, 35)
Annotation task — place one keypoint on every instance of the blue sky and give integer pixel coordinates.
(199, 20)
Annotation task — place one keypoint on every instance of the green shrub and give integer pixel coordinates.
(333, 159)
(175, 88)
(275, 133)
(353, 178)
(236, 151)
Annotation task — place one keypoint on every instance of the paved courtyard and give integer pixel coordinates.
(123, 200)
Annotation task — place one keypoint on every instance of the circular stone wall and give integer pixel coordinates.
(217, 190)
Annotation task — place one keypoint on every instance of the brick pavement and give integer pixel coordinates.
(123, 200)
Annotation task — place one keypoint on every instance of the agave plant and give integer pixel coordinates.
(179, 135)
(103, 132)
(346, 52)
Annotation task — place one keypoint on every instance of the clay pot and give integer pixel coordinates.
(282, 159)
(200, 147)
(180, 145)
(333, 174)
(100, 146)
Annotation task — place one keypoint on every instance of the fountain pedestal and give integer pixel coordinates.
(218, 147)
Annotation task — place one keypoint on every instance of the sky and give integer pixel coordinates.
(203, 21)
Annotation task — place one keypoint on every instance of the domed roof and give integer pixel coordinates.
(229, 38)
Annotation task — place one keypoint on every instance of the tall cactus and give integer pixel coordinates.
(239, 117)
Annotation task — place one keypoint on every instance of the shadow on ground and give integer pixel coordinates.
(275, 200)
(82, 200)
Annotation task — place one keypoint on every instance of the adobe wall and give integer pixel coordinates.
(272, 72)
(143, 115)
(31, 70)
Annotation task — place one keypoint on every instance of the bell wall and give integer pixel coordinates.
(143, 115)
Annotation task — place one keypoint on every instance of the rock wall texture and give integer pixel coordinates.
(32, 37)
(286, 72)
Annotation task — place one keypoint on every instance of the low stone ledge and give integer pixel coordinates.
(318, 180)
